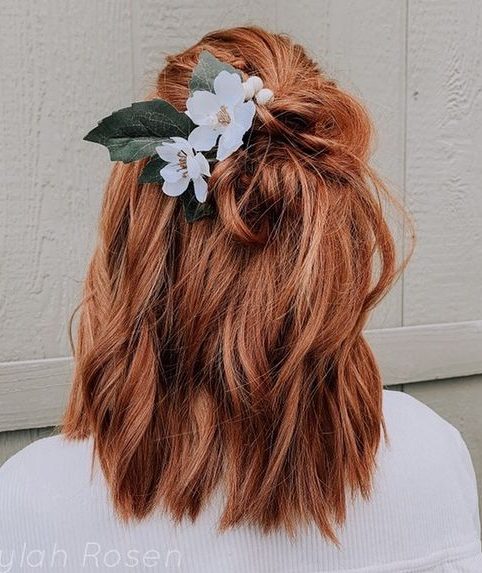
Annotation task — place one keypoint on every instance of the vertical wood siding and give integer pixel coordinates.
(443, 162)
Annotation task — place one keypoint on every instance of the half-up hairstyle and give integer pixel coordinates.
(228, 353)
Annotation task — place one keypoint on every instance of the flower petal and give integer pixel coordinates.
(244, 114)
(203, 138)
(202, 106)
(203, 164)
(171, 173)
(177, 188)
(229, 88)
(229, 142)
(233, 135)
(193, 168)
(183, 145)
(168, 152)
(200, 189)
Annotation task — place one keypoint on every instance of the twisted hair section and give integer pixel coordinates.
(229, 353)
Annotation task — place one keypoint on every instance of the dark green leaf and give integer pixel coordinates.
(150, 173)
(205, 72)
(134, 132)
(193, 209)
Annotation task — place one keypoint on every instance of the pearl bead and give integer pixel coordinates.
(248, 90)
(252, 86)
(257, 83)
(264, 96)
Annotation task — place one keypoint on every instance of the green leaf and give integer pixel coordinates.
(151, 172)
(134, 132)
(208, 67)
(193, 209)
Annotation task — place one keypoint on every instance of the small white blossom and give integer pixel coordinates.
(222, 114)
(183, 166)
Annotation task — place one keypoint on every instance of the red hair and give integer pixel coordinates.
(229, 352)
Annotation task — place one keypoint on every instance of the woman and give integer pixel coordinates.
(226, 412)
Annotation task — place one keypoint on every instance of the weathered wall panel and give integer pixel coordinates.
(444, 167)
(63, 65)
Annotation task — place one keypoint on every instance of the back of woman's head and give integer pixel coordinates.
(229, 351)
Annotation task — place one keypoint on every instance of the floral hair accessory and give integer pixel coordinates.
(223, 113)
(181, 146)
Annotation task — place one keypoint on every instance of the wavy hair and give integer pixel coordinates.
(228, 353)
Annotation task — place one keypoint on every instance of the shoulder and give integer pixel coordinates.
(414, 428)
(425, 460)
(402, 406)
(47, 461)
(39, 478)
(49, 495)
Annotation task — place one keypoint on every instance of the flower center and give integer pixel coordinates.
(223, 116)
(182, 160)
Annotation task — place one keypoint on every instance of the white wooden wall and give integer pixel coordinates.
(416, 64)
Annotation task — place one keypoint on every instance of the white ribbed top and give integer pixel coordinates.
(422, 517)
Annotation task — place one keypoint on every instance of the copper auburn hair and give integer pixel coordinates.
(228, 353)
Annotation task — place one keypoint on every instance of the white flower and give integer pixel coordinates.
(183, 166)
(223, 113)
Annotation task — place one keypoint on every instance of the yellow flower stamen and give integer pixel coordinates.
(182, 160)
(223, 116)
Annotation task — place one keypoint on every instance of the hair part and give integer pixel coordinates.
(229, 352)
